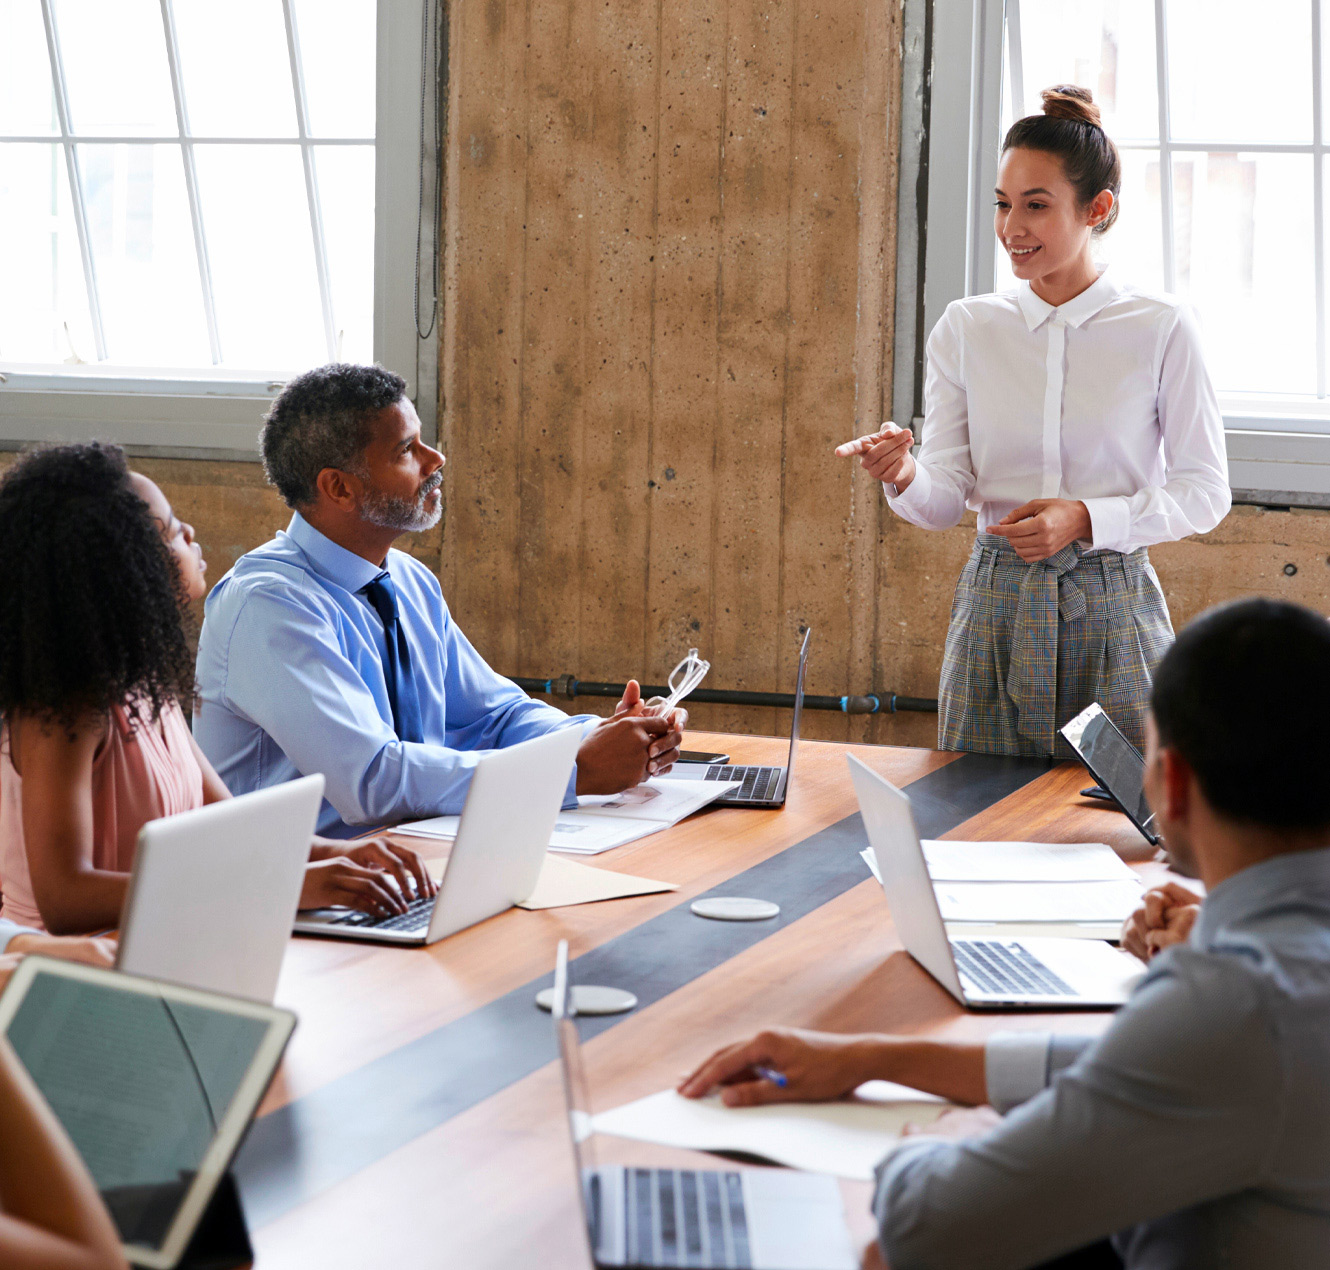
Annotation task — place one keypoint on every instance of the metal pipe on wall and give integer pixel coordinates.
(869, 703)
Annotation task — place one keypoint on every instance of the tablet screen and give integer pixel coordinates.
(140, 1081)
(1115, 762)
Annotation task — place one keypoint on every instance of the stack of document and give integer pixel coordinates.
(1009, 889)
(603, 821)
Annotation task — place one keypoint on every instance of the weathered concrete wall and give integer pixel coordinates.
(667, 299)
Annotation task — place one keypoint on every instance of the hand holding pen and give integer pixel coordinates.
(782, 1065)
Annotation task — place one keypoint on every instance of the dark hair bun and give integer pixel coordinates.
(1070, 101)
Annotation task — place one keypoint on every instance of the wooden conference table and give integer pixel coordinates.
(418, 1117)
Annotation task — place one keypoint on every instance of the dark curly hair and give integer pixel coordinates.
(322, 419)
(90, 599)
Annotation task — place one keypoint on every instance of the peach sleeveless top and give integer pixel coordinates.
(142, 770)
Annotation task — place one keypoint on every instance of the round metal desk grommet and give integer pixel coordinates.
(734, 908)
(589, 999)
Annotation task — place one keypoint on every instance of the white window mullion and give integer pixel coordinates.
(1318, 197)
(311, 181)
(191, 181)
(1165, 149)
(75, 176)
(1016, 59)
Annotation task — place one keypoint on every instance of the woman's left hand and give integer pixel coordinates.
(1043, 526)
(406, 866)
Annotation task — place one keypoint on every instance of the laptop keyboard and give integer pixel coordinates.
(414, 921)
(684, 1217)
(1008, 969)
(759, 783)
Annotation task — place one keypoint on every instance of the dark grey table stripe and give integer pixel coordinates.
(334, 1132)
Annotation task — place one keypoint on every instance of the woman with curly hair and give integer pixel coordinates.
(95, 670)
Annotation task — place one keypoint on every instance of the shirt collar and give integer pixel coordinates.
(337, 564)
(1078, 310)
(1299, 874)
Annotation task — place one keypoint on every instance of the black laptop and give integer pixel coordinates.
(762, 787)
(1115, 763)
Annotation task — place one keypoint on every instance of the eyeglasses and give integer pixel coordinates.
(683, 679)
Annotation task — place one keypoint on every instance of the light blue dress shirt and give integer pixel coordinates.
(1196, 1130)
(291, 682)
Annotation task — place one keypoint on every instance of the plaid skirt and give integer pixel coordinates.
(1031, 645)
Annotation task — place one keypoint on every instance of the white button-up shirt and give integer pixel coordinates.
(1104, 399)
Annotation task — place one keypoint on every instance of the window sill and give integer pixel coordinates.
(1282, 469)
(208, 420)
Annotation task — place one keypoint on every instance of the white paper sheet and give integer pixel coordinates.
(1024, 862)
(565, 882)
(604, 821)
(659, 799)
(845, 1138)
(1020, 930)
(1037, 901)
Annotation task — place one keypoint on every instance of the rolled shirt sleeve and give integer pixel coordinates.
(944, 474)
(288, 672)
(1017, 1065)
(1195, 495)
(1186, 1086)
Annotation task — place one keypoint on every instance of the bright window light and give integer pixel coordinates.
(1223, 170)
(187, 188)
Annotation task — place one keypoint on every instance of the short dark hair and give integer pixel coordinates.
(1070, 128)
(90, 598)
(1244, 697)
(322, 419)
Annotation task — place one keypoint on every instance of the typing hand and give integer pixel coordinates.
(404, 865)
(817, 1066)
(884, 455)
(1040, 528)
(960, 1122)
(617, 755)
(1165, 917)
(342, 882)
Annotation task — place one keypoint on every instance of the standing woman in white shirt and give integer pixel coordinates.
(1075, 415)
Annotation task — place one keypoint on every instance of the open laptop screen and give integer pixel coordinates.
(154, 1084)
(798, 706)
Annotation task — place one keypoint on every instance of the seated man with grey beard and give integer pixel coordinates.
(326, 651)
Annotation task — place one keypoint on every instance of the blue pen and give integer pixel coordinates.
(770, 1073)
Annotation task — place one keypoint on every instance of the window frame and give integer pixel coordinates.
(952, 79)
(215, 413)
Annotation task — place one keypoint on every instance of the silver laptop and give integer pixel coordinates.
(504, 832)
(762, 787)
(769, 1219)
(983, 974)
(155, 1085)
(214, 891)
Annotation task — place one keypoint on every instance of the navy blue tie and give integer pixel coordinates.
(401, 687)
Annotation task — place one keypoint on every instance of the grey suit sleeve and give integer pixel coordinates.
(1185, 1086)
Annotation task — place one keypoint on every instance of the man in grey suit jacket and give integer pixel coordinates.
(1196, 1131)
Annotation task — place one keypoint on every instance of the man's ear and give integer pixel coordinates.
(1178, 781)
(341, 489)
